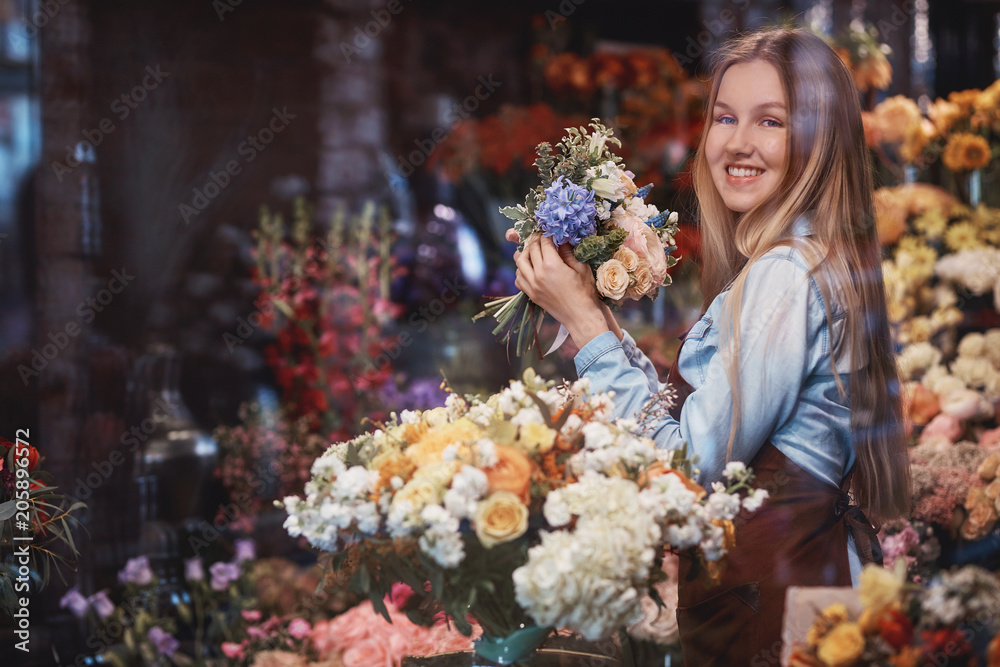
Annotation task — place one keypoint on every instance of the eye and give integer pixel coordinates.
(771, 122)
(725, 120)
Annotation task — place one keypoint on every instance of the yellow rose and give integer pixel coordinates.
(436, 417)
(627, 257)
(879, 587)
(643, 282)
(420, 493)
(500, 518)
(537, 437)
(842, 645)
(612, 279)
(432, 444)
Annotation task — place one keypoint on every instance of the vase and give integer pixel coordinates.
(549, 650)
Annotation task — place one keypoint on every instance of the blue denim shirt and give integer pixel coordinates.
(789, 393)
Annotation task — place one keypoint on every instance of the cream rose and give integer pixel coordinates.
(500, 518)
(612, 279)
(420, 492)
(643, 282)
(628, 258)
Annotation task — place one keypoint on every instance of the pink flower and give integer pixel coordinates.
(252, 615)
(400, 594)
(990, 439)
(232, 650)
(299, 628)
(368, 653)
(943, 425)
(644, 242)
(342, 632)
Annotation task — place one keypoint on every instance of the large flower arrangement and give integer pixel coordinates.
(527, 508)
(950, 621)
(588, 201)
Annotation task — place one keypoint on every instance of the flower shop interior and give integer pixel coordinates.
(235, 236)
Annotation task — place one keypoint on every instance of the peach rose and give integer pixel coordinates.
(921, 404)
(944, 426)
(612, 279)
(643, 241)
(500, 518)
(627, 257)
(988, 468)
(511, 472)
(420, 492)
(278, 659)
(643, 282)
(370, 652)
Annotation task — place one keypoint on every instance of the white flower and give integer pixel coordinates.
(916, 358)
(597, 435)
(410, 417)
(978, 270)
(734, 469)
(486, 451)
(722, 506)
(754, 500)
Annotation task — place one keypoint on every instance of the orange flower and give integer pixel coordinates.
(922, 404)
(896, 117)
(993, 652)
(895, 628)
(965, 99)
(909, 657)
(511, 472)
(965, 152)
(890, 216)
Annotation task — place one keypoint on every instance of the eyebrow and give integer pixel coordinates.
(762, 105)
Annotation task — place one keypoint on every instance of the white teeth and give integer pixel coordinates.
(743, 172)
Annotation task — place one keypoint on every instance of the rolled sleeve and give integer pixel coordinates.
(606, 363)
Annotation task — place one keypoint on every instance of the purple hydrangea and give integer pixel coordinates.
(136, 572)
(102, 604)
(568, 212)
(75, 602)
(222, 574)
(193, 570)
(163, 641)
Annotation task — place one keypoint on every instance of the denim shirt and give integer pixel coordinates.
(787, 386)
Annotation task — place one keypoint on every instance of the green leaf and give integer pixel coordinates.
(514, 212)
(8, 509)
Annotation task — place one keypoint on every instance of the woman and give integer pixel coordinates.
(790, 369)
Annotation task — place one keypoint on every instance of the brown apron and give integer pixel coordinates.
(797, 538)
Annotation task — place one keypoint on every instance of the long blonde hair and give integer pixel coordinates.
(828, 177)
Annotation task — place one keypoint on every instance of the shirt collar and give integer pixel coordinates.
(802, 226)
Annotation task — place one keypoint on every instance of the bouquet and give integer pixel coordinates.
(526, 511)
(951, 621)
(588, 200)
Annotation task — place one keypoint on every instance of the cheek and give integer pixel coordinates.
(775, 151)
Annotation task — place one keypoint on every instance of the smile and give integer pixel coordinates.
(742, 175)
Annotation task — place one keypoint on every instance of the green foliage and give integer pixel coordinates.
(596, 250)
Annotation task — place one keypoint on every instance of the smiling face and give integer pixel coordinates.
(746, 142)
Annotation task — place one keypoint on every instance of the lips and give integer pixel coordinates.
(742, 175)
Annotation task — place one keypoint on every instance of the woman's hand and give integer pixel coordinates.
(562, 286)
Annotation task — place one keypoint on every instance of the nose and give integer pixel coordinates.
(740, 141)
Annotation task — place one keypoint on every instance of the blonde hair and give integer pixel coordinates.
(828, 176)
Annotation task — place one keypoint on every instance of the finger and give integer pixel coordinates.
(512, 235)
(548, 251)
(517, 253)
